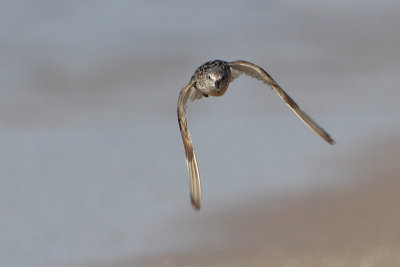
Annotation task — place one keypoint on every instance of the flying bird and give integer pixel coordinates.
(212, 79)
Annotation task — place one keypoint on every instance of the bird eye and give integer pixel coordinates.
(209, 77)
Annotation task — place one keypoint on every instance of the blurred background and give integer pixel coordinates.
(92, 168)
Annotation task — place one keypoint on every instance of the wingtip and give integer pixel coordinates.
(195, 203)
(330, 140)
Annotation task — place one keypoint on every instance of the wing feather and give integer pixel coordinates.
(194, 175)
(255, 71)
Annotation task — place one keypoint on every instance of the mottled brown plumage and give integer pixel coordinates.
(213, 78)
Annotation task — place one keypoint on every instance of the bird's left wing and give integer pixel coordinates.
(241, 66)
(194, 177)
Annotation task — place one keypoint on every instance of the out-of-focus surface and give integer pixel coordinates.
(353, 226)
(92, 168)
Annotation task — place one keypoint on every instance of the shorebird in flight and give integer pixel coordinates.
(212, 79)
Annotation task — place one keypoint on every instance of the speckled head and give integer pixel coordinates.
(212, 78)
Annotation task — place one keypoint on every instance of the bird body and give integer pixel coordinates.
(212, 79)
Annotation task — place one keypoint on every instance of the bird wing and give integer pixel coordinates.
(195, 186)
(241, 66)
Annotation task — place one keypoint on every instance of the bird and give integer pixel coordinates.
(212, 79)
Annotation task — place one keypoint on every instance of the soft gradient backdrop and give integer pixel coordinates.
(92, 168)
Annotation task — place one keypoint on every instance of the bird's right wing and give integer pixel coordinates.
(194, 177)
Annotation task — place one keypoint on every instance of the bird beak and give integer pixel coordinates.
(217, 84)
